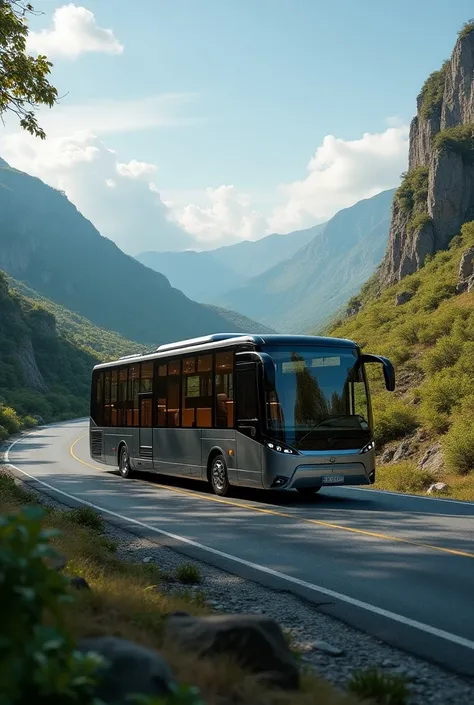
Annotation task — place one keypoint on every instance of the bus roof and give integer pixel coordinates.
(220, 340)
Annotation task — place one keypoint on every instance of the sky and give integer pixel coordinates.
(199, 123)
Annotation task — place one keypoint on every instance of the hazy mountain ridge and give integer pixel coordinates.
(206, 275)
(305, 291)
(46, 243)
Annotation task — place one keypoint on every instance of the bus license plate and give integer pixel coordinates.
(332, 479)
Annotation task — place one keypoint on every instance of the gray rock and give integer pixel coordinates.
(387, 455)
(255, 641)
(327, 648)
(433, 459)
(403, 297)
(132, 669)
(437, 488)
(403, 451)
(147, 559)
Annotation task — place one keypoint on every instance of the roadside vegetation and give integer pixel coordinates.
(430, 339)
(125, 600)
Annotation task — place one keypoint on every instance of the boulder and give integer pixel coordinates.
(387, 455)
(433, 459)
(129, 669)
(466, 271)
(403, 451)
(438, 488)
(403, 297)
(255, 641)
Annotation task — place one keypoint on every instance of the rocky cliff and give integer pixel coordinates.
(437, 192)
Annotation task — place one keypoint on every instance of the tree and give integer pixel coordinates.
(24, 84)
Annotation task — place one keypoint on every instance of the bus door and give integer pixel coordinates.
(145, 431)
(249, 448)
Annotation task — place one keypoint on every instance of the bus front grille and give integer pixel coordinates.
(146, 452)
(96, 444)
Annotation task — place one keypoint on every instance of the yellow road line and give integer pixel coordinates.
(284, 515)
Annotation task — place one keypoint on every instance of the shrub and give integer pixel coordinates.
(85, 516)
(466, 29)
(458, 443)
(412, 193)
(10, 419)
(417, 222)
(445, 353)
(379, 687)
(431, 94)
(439, 395)
(404, 477)
(459, 139)
(188, 574)
(3, 433)
(393, 420)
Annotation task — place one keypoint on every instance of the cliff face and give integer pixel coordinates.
(437, 193)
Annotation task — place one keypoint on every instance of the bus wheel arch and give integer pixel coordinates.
(217, 472)
(123, 460)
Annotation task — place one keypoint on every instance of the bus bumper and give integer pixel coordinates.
(318, 470)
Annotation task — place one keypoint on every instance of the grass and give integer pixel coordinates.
(128, 600)
(430, 339)
(188, 573)
(378, 687)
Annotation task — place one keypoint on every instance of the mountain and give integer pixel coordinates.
(47, 244)
(41, 371)
(205, 276)
(424, 432)
(437, 193)
(306, 289)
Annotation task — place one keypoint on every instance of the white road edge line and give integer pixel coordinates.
(406, 621)
(411, 496)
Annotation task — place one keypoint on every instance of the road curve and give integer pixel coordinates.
(398, 567)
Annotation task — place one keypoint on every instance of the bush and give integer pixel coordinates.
(466, 29)
(412, 193)
(379, 687)
(188, 573)
(3, 433)
(458, 139)
(404, 477)
(432, 92)
(10, 419)
(445, 354)
(393, 420)
(85, 516)
(440, 394)
(458, 443)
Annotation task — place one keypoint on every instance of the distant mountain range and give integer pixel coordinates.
(48, 245)
(204, 276)
(294, 282)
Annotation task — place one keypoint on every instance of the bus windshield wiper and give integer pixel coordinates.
(319, 423)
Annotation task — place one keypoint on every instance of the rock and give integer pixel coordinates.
(403, 297)
(433, 459)
(79, 583)
(403, 451)
(255, 641)
(387, 455)
(148, 559)
(466, 271)
(131, 669)
(327, 648)
(437, 488)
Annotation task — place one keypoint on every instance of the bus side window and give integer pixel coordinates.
(224, 390)
(114, 413)
(107, 397)
(97, 405)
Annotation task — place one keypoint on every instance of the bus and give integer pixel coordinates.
(275, 412)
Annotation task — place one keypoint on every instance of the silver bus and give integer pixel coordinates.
(275, 412)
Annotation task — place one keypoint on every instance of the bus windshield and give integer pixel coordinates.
(320, 399)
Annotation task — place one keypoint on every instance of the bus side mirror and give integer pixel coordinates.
(388, 370)
(268, 372)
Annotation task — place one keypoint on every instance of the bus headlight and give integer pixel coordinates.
(279, 447)
(369, 446)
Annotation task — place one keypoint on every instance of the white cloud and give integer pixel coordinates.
(115, 196)
(340, 173)
(227, 216)
(135, 169)
(74, 32)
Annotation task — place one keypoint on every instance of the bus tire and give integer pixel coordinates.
(124, 462)
(308, 491)
(218, 476)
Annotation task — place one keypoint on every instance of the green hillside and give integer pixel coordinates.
(427, 329)
(46, 357)
(47, 243)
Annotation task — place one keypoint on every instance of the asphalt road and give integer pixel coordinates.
(398, 567)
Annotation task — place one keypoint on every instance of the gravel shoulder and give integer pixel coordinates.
(330, 647)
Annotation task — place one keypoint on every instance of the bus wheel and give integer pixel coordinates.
(124, 463)
(307, 491)
(219, 478)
